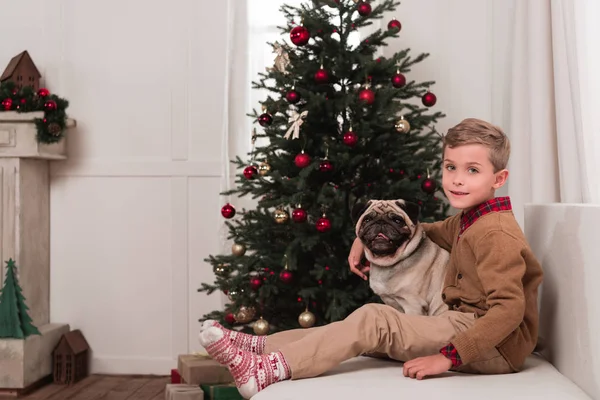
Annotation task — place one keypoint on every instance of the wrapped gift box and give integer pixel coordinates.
(196, 369)
(221, 392)
(183, 392)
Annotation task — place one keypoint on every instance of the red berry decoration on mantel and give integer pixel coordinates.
(265, 119)
(394, 25)
(50, 105)
(429, 99)
(250, 172)
(398, 80)
(228, 211)
(321, 76)
(299, 214)
(302, 160)
(299, 36)
(367, 95)
(364, 8)
(323, 224)
(43, 92)
(7, 104)
(350, 138)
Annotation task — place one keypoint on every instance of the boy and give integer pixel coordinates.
(491, 289)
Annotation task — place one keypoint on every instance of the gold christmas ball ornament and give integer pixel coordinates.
(264, 168)
(402, 126)
(281, 216)
(261, 327)
(238, 249)
(306, 319)
(245, 314)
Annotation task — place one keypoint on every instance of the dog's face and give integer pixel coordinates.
(385, 227)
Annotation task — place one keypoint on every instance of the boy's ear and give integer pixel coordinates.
(359, 209)
(413, 210)
(501, 177)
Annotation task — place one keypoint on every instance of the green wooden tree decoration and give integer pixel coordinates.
(15, 322)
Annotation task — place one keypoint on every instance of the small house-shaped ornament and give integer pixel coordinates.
(22, 71)
(71, 357)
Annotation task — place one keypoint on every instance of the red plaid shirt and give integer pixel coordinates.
(467, 219)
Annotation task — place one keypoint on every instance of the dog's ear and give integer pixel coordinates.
(412, 210)
(359, 209)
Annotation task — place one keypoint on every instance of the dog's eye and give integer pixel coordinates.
(366, 219)
(398, 220)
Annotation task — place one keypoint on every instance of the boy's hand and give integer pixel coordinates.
(427, 366)
(354, 258)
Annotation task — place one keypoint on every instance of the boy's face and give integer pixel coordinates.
(468, 177)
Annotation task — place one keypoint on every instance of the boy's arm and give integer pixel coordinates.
(442, 232)
(501, 268)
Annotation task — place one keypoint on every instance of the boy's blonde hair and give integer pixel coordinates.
(476, 131)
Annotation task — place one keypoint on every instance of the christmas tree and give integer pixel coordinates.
(341, 126)
(14, 320)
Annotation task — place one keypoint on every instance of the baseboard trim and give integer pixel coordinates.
(132, 366)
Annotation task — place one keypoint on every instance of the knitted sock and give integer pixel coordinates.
(251, 343)
(251, 372)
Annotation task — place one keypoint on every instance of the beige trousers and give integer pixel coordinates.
(379, 330)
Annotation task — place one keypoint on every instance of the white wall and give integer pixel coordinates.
(136, 207)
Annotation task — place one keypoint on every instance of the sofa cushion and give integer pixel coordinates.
(365, 378)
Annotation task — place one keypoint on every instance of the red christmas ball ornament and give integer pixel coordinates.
(299, 215)
(398, 80)
(350, 138)
(255, 283)
(7, 104)
(250, 172)
(394, 25)
(323, 224)
(302, 160)
(429, 186)
(230, 319)
(364, 8)
(50, 105)
(286, 276)
(367, 96)
(429, 99)
(43, 92)
(292, 97)
(325, 166)
(265, 119)
(228, 211)
(299, 36)
(321, 76)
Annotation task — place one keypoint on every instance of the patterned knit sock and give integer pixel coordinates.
(251, 372)
(252, 343)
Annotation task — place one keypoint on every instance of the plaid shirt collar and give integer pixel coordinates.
(496, 204)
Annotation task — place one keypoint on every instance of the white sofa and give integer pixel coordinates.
(563, 238)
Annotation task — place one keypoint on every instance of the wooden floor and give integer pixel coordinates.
(97, 387)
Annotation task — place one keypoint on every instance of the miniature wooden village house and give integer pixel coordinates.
(22, 71)
(71, 357)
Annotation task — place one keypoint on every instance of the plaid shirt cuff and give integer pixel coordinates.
(450, 352)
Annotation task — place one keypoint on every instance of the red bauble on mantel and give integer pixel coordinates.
(43, 92)
(302, 160)
(250, 171)
(228, 211)
(299, 215)
(429, 99)
(7, 104)
(299, 36)
(364, 8)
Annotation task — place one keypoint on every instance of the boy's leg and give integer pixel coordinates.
(492, 363)
(277, 340)
(373, 328)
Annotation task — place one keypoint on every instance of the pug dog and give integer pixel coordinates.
(407, 268)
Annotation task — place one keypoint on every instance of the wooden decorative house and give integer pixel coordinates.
(22, 71)
(71, 358)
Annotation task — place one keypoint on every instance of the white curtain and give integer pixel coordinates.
(550, 92)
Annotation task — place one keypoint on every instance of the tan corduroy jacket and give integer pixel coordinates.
(493, 273)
